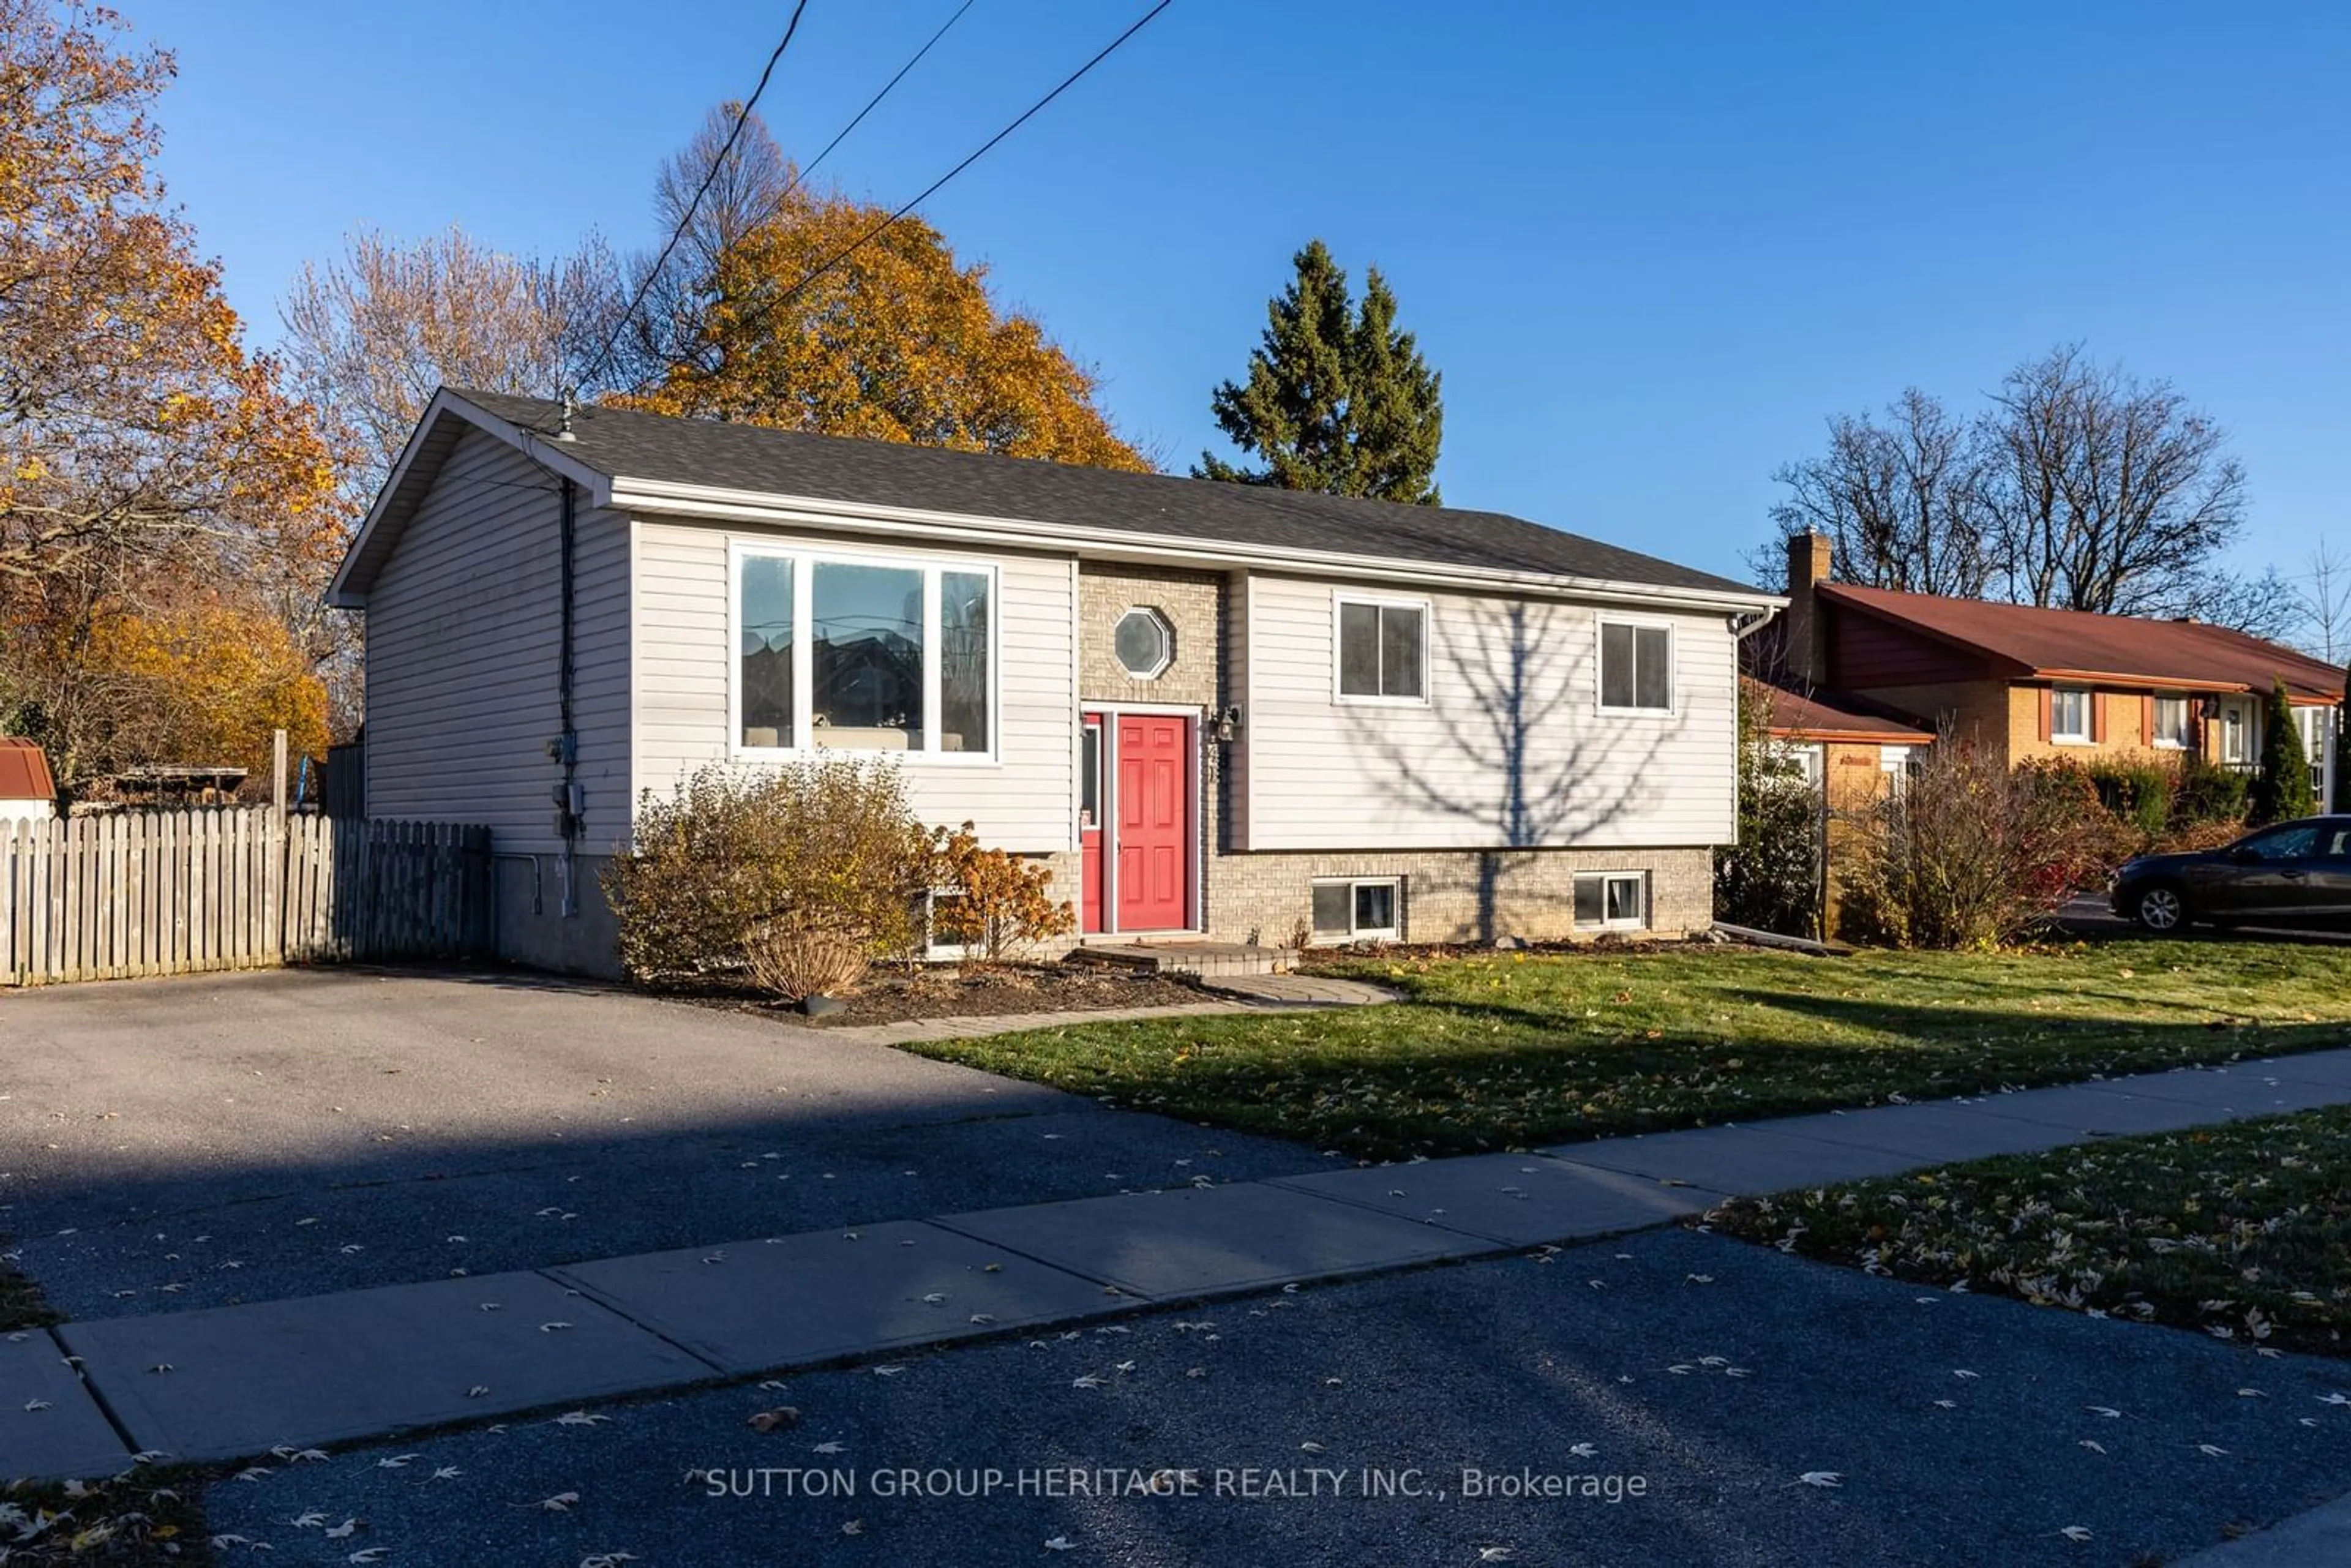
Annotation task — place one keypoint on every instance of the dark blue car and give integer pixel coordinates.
(2292, 873)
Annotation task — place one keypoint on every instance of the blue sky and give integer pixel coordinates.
(1651, 247)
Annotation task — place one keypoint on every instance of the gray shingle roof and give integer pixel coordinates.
(631, 445)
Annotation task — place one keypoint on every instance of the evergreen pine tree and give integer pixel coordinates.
(1337, 399)
(2342, 747)
(2282, 788)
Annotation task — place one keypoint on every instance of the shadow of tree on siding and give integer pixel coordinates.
(1528, 758)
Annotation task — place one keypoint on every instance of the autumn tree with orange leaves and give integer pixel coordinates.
(819, 317)
(154, 478)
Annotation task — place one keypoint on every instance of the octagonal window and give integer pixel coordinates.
(1144, 643)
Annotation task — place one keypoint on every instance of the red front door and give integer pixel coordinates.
(1154, 802)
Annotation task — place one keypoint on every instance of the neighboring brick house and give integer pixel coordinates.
(2053, 682)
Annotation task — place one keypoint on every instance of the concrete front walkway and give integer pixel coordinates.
(228, 1382)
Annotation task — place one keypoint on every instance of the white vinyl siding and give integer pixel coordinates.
(1511, 751)
(464, 631)
(1022, 801)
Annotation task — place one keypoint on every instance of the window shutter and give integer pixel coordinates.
(2047, 694)
(2097, 717)
(2147, 721)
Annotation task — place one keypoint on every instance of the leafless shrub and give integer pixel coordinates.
(1971, 852)
(794, 962)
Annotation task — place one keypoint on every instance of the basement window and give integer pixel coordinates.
(1358, 909)
(1612, 901)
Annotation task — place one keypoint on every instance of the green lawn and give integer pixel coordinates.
(2243, 1231)
(1509, 1050)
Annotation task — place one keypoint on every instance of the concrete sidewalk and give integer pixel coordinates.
(228, 1382)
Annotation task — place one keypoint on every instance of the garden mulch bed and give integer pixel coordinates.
(989, 991)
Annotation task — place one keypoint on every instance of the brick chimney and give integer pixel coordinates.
(1806, 640)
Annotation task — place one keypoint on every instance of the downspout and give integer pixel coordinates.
(570, 804)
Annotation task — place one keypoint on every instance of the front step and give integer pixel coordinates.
(1181, 958)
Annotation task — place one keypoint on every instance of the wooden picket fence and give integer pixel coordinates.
(176, 893)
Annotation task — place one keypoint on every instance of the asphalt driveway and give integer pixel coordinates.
(178, 1143)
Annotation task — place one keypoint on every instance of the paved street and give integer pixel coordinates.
(1715, 1372)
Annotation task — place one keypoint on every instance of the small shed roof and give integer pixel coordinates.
(1817, 715)
(25, 770)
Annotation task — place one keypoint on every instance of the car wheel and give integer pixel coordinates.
(2160, 908)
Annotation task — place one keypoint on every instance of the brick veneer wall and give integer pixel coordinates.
(1193, 605)
(1457, 896)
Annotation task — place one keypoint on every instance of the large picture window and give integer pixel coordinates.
(1636, 667)
(866, 625)
(1383, 651)
(844, 653)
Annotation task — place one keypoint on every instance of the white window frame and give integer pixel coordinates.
(935, 951)
(1895, 763)
(2059, 736)
(1640, 878)
(2318, 749)
(1339, 601)
(804, 560)
(2241, 732)
(1356, 933)
(2180, 742)
(1811, 759)
(1168, 639)
(1599, 625)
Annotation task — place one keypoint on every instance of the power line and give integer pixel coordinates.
(800, 176)
(873, 102)
(933, 188)
(694, 206)
(797, 289)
